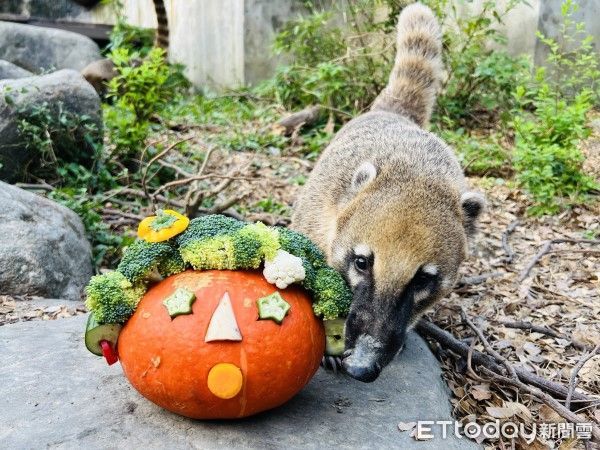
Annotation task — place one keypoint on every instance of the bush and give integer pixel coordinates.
(547, 159)
(550, 123)
(142, 88)
(56, 136)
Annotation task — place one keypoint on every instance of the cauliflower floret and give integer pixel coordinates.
(284, 269)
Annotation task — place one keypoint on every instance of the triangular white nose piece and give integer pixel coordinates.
(223, 326)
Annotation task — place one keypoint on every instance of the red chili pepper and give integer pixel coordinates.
(109, 353)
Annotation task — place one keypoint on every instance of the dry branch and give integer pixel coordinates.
(528, 326)
(547, 247)
(510, 254)
(297, 120)
(544, 398)
(488, 347)
(576, 369)
(448, 341)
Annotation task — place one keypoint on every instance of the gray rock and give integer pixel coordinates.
(9, 70)
(66, 89)
(43, 249)
(56, 394)
(40, 49)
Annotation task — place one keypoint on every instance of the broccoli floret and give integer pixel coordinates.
(297, 244)
(208, 226)
(332, 294)
(216, 253)
(141, 258)
(254, 243)
(112, 297)
(215, 243)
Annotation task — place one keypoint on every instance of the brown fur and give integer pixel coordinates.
(386, 184)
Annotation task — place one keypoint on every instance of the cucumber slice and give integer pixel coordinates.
(179, 302)
(272, 307)
(334, 337)
(95, 333)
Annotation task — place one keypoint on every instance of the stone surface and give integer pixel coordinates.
(9, 70)
(39, 49)
(56, 394)
(43, 249)
(66, 90)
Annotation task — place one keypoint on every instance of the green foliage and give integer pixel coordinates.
(105, 243)
(546, 157)
(550, 122)
(142, 88)
(54, 136)
(340, 66)
(480, 80)
(112, 298)
(573, 63)
(479, 155)
(127, 36)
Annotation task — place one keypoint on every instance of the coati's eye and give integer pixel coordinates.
(361, 263)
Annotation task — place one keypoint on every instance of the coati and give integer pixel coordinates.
(100, 72)
(388, 204)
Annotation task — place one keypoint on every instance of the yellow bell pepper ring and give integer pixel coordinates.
(163, 226)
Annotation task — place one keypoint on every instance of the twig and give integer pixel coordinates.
(528, 326)
(141, 194)
(486, 344)
(547, 247)
(562, 410)
(176, 168)
(575, 372)
(183, 181)
(33, 186)
(428, 329)
(155, 158)
(478, 279)
(307, 116)
(510, 254)
(117, 212)
(191, 206)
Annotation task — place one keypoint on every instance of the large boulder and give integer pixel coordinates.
(62, 94)
(43, 250)
(39, 49)
(9, 70)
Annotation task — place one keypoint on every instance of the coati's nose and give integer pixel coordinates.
(362, 362)
(366, 374)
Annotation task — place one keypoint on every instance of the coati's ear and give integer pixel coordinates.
(364, 174)
(472, 205)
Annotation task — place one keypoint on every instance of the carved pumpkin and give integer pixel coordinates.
(178, 364)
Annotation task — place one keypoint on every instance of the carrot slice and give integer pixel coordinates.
(225, 380)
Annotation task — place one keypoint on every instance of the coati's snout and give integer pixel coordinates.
(400, 253)
(375, 332)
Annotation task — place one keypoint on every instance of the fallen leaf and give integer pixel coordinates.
(481, 392)
(405, 426)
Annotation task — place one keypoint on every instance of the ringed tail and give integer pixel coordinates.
(162, 31)
(415, 78)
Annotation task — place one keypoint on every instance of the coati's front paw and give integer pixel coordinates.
(332, 363)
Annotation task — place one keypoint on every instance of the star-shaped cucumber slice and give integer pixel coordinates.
(272, 307)
(180, 302)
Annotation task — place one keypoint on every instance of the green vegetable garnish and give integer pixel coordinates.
(162, 221)
(180, 302)
(272, 307)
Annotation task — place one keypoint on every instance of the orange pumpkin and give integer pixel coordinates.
(168, 361)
